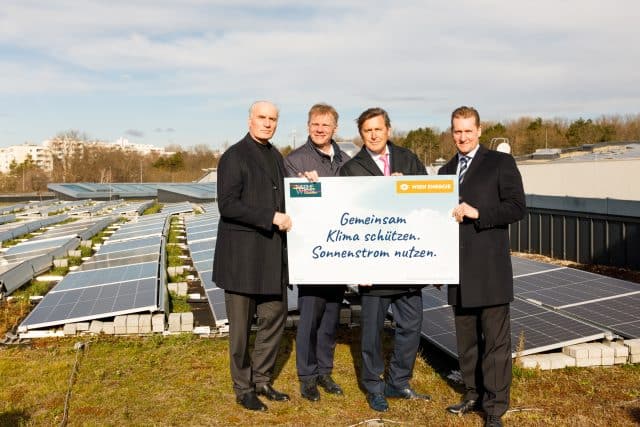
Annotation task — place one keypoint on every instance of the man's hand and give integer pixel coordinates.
(283, 221)
(310, 175)
(464, 209)
(397, 174)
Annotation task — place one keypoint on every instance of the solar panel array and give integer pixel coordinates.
(132, 190)
(22, 262)
(554, 307)
(126, 275)
(201, 239)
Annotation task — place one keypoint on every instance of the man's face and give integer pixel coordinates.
(466, 134)
(375, 134)
(263, 121)
(321, 129)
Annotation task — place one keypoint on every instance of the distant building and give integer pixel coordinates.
(66, 146)
(17, 154)
(124, 144)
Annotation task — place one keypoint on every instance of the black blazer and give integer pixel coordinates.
(250, 254)
(403, 161)
(493, 185)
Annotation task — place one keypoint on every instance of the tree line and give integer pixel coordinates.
(525, 135)
(99, 164)
(105, 164)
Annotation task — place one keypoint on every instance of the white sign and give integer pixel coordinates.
(373, 229)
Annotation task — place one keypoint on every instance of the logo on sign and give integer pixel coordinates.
(305, 189)
(425, 186)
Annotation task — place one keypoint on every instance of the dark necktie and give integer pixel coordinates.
(464, 163)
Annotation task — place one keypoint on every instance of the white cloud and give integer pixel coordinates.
(415, 58)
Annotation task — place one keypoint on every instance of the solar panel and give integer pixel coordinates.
(542, 329)
(202, 235)
(115, 262)
(526, 267)
(568, 286)
(202, 246)
(128, 245)
(292, 298)
(137, 234)
(129, 253)
(621, 315)
(439, 329)
(218, 308)
(545, 330)
(37, 246)
(89, 303)
(433, 298)
(91, 278)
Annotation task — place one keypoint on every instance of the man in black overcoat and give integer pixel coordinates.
(491, 198)
(250, 256)
(379, 156)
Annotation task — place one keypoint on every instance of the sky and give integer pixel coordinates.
(185, 72)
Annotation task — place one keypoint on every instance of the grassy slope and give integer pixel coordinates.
(185, 381)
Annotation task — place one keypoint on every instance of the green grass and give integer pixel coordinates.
(173, 236)
(85, 251)
(178, 303)
(74, 260)
(34, 288)
(99, 237)
(155, 208)
(184, 381)
(178, 277)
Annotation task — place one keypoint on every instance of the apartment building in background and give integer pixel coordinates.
(63, 146)
(40, 155)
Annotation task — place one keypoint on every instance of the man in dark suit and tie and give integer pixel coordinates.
(379, 156)
(491, 198)
(250, 256)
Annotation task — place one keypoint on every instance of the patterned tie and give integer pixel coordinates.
(385, 160)
(464, 163)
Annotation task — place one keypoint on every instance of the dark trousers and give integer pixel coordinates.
(249, 370)
(319, 308)
(483, 336)
(407, 314)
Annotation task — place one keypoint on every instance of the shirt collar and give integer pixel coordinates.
(375, 156)
(470, 155)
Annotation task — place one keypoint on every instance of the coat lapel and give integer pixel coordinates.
(475, 163)
(367, 162)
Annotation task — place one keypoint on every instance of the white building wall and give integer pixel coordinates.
(614, 179)
(40, 155)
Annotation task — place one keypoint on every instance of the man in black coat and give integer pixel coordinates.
(491, 198)
(319, 306)
(379, 156)
(250, 257)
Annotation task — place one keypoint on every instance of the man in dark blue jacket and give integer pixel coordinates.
(319, 306)
(379, 156)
